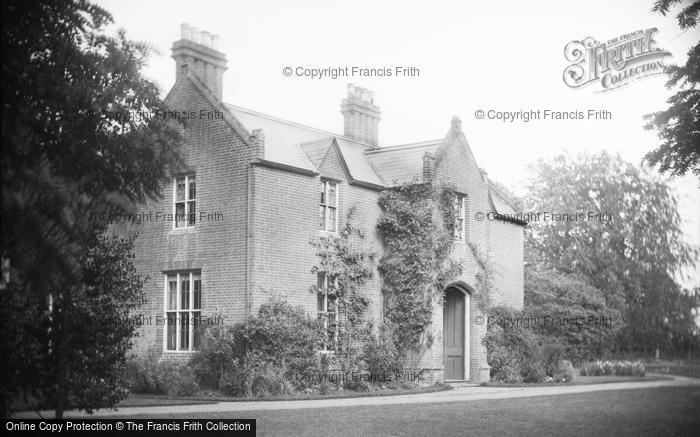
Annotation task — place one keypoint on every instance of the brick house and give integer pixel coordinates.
(235, 228)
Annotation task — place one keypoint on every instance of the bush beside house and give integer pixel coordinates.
(273, 354)
(565, 322)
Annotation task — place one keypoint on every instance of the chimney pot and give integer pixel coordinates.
(184, 31)
(361, 115)
(194, 35)
(191, 56)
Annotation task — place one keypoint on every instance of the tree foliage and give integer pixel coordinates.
(631, 245)
(572, 314)
(69, 351)
(72, 143)
(75, 146)
(678, 126)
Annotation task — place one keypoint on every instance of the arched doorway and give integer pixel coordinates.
(455, 328)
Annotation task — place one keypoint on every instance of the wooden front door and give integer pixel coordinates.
(453, 334)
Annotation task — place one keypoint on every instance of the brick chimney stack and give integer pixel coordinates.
(361, 115)
(199, 52)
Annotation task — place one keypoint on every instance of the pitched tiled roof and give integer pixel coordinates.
(359, 167)
(282, 138)
(305, 147)
(400, 164)
(500, 203)
(316, 150)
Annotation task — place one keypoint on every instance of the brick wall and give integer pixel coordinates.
(499, 243)
(286, 218)
(507, 259)
(218, 158)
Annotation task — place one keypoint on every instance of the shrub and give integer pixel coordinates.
(514, 352)
(564, 372)
(559, 296)
(356, 384)
(553, 354)
(181, 381)
(217, 362)
(533, 370)
(285, 336)
(145, 376)
(161, 377)
(232, 381)
(509, 373)
(253, 359)
(594, 368)
(264, 379)
(380, 355)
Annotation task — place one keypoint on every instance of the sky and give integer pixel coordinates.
(500, 56)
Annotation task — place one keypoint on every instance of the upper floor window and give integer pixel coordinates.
(185, 201)
(183, 310)
(327, 311)
(329, 206)
(459, 209)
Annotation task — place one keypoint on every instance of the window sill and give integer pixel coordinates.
(180, 352)
(181, 231)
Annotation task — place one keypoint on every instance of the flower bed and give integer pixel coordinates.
(616, 368)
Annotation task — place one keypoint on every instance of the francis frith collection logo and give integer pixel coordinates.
(615, 63)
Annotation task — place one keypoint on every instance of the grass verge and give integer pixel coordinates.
(145, 400)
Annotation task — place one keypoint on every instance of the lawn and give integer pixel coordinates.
(146, 400)
(690, 370)
(664, 411)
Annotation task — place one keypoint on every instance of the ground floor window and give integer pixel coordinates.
(183, 310)
(327, 312)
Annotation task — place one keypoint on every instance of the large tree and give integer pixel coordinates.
(621, 232)
(679, 126)
(78, 140)
(70, 350)
(71, 142)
